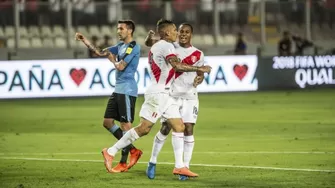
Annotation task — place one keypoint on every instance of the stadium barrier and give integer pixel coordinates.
(296, 72)
(96, 77)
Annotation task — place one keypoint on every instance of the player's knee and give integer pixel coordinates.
(108, 123)
(165, 129)
(144, 128)
(176, 124)
(188, 129)
(125, 126)
(145, 131)
(179, 127)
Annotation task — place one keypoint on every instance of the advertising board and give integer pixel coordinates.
(96, 77)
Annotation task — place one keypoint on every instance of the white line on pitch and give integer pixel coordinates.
(199, 152)
(169, 163)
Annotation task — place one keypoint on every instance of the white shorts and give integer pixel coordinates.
(159, 105)
(188, 110)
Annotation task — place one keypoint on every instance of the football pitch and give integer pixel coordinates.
(254, 139)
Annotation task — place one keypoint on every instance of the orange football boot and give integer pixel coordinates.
(108, 160)
(121, 167)
(135, 155)
(184, 171)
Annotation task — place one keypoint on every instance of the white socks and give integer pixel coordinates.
(188, 149)
(127, 139)
(159, 141)
(178, 148)
(180, 144)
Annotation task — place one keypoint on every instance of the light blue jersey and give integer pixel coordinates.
(125, 80)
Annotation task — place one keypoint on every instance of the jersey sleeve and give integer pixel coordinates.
(168, 50)
(132, 52)
(202, 59)
(113, 49)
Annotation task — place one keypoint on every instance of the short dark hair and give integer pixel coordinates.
(129, 23)
(187, 24)
(161, 24)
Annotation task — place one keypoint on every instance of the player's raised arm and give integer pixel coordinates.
(97, 51)
(150, 40)
(102, 53)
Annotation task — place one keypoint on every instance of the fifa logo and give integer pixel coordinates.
(195, 110)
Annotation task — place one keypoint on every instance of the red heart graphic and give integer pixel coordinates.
(77, 75)
(240, 71)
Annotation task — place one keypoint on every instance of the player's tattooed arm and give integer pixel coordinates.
(121, 65)
(150, 40)
(181, 67)
(97, 51)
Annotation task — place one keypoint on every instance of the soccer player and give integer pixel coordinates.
(121, 104)
(157, 102)
(184, 88)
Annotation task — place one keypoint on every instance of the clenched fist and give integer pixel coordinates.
(79, 36)
(151, 33)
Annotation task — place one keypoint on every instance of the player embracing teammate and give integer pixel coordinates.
(183, 89)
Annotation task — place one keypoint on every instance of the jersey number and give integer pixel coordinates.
(195, 110)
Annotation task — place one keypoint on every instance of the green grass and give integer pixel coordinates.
(235, 132)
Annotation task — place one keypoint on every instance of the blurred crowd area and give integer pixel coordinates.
(44, 23)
